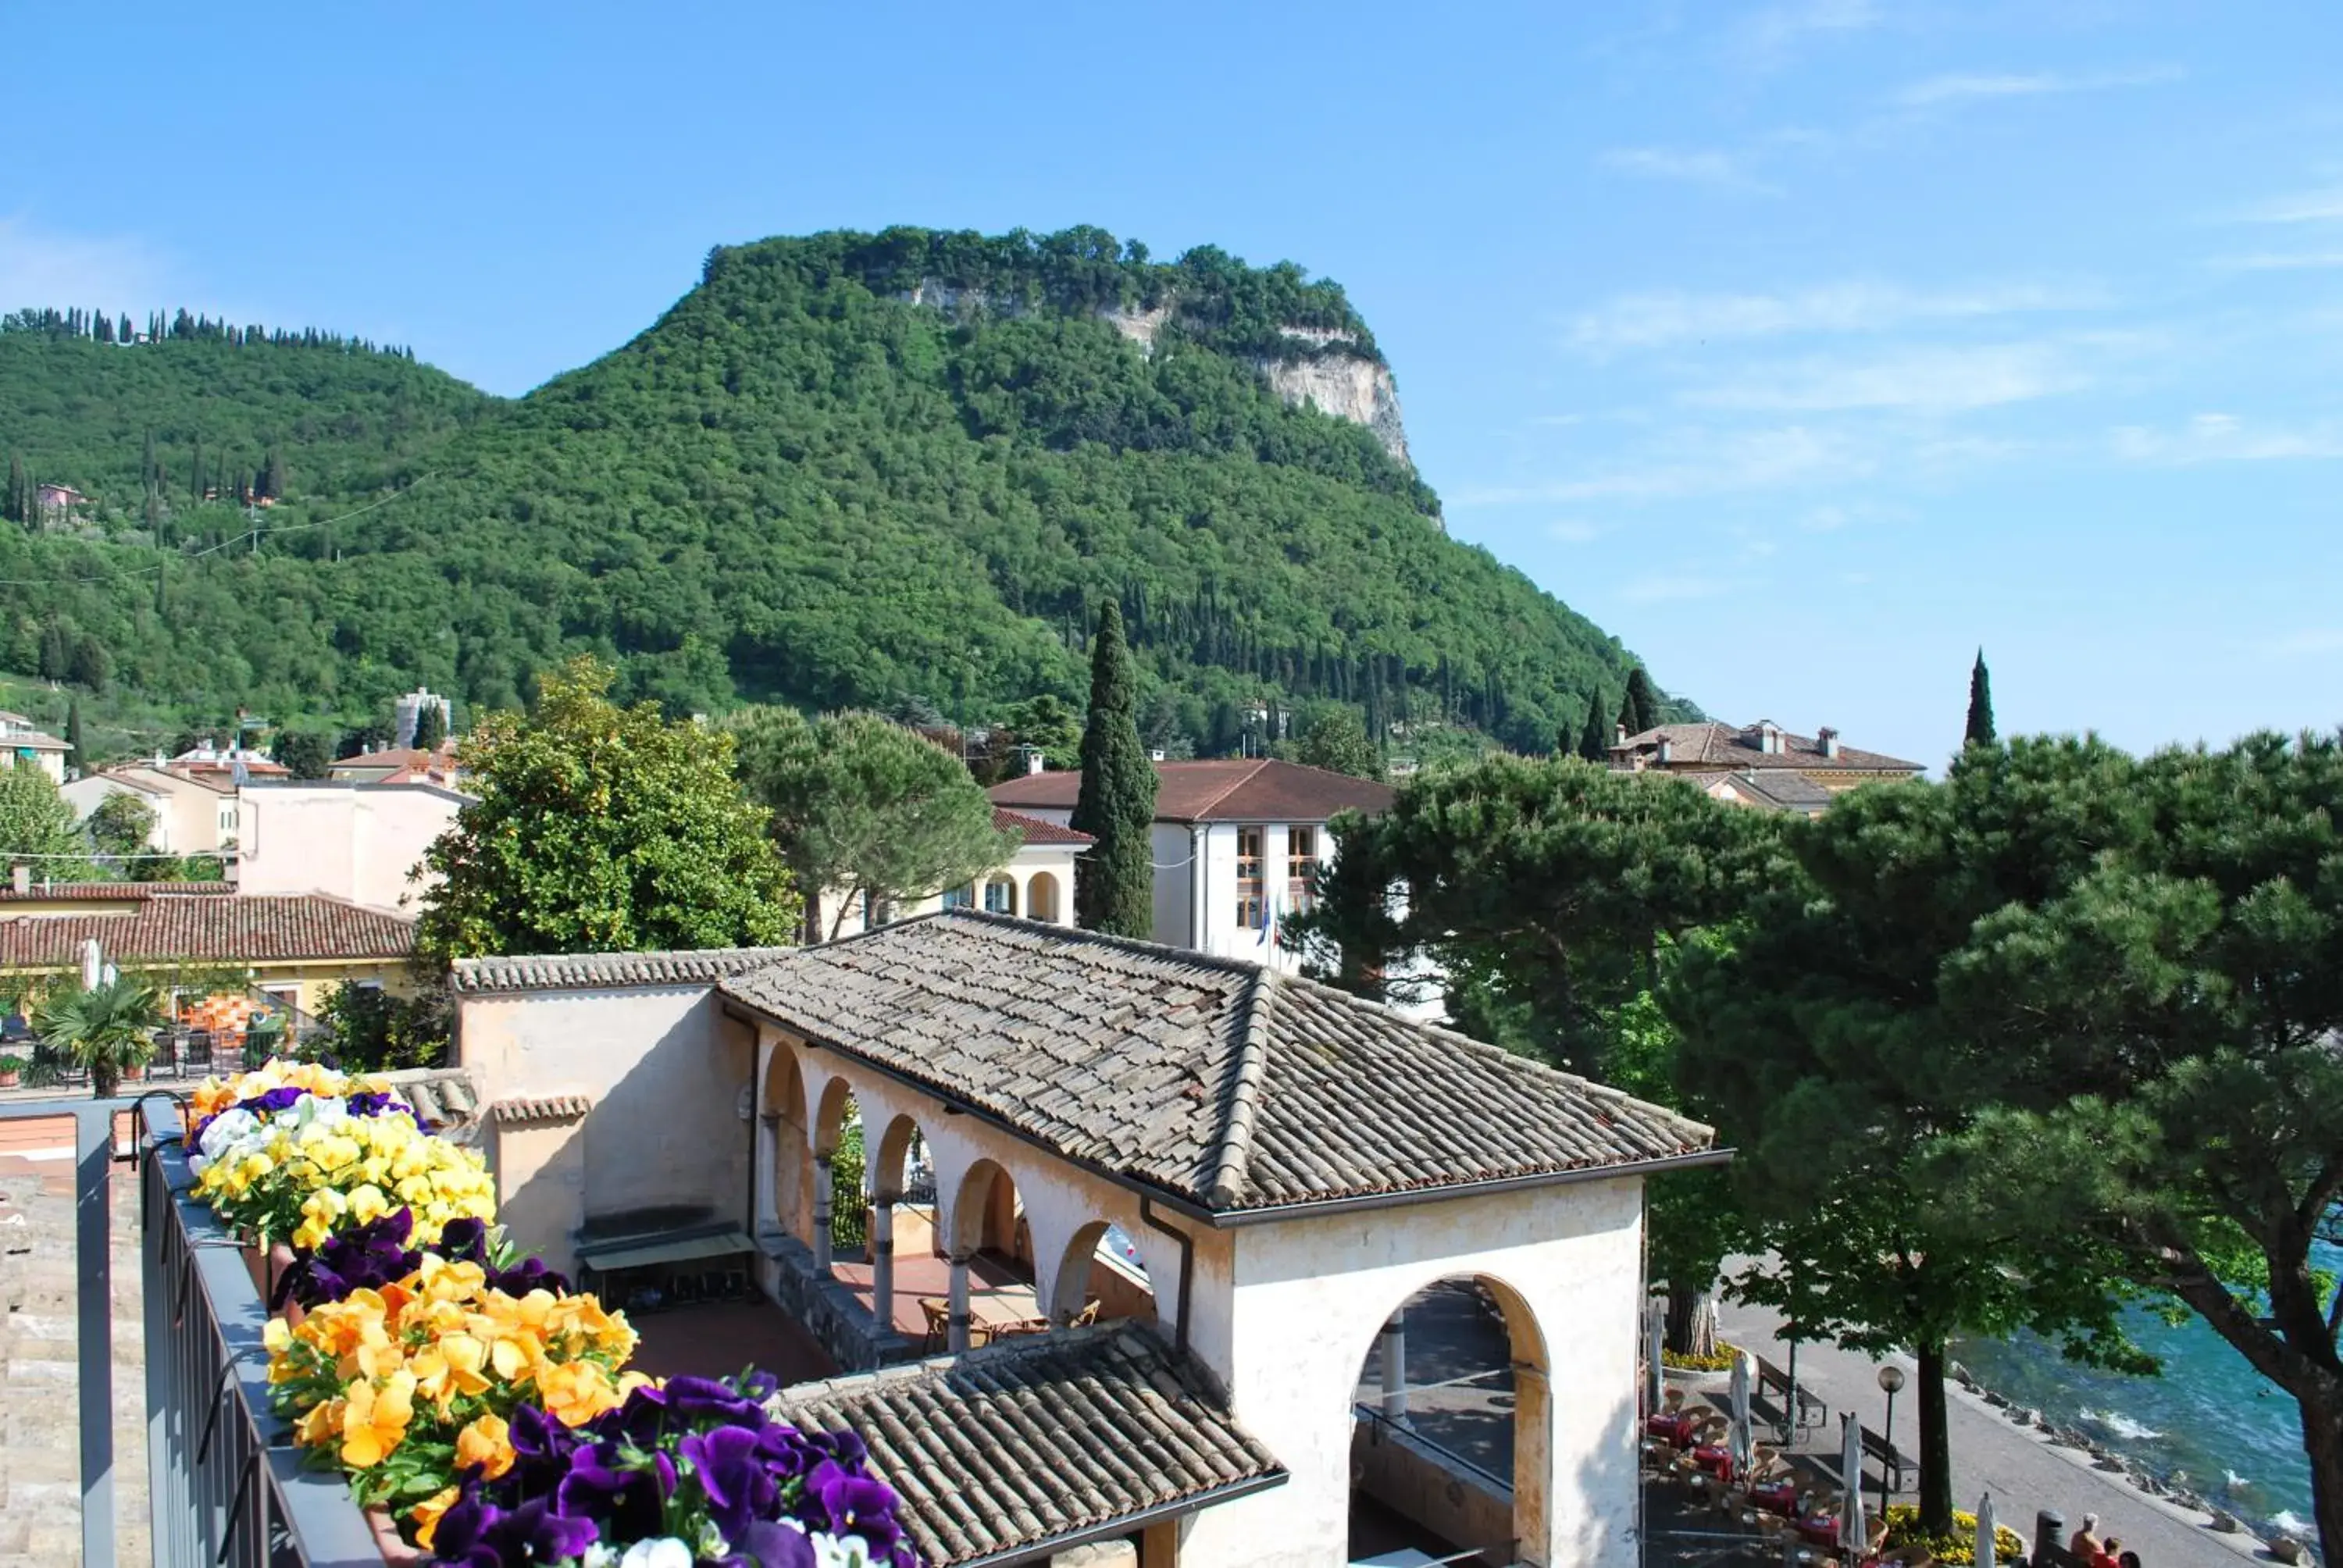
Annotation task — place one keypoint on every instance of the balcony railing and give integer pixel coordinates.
(226, 1484)
(226, 1488)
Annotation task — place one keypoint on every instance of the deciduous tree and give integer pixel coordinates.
(1114, 881)
(1337, 742)
(37, 828)
(598, 828)
(122, 826)
(865, 812)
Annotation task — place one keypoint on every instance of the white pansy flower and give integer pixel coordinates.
(840, 1550)
(661, 1552)
(229, 1127)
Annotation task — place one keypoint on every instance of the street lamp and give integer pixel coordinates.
(1891, 1378)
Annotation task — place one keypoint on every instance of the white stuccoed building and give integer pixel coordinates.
(1291, 1165)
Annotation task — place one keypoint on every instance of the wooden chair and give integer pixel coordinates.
(938, 1311)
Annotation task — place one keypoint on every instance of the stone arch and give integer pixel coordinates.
(1043, 899)
(792, 1141)
(829, 1115)
(997, 895)
(984, 1215)
(1076, 1270)
(1530, 1368)
(891, 1162)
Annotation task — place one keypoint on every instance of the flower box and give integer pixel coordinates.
(394, 1552)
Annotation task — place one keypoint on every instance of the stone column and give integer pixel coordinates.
(959, 1339)
(1394, 1347)
(882, 1259)
(821, 1215)
(768, 1160)
(1534, 1518)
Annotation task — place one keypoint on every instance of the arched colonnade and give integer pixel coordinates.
(992, 1190)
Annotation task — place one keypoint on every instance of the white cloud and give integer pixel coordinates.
(1699, 463)
(1657, 320)
(2279, 262)
(41, 267)
(1673, 589)
(2226, 438)
(2303, 206)
(1939, 91)
(1922, 380)
(1574, 531)
(1728, 171)
(2313, 640)
(1769, 35)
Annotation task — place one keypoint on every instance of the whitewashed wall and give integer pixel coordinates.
(1311, 1296)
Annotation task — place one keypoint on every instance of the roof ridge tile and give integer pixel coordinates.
(1229, 1176)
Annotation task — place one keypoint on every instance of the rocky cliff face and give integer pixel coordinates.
(1347, 385)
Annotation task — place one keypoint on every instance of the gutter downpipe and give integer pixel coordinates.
(1187, 1266)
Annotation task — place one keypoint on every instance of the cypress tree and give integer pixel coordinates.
(1114, 883)
(1643, 700)
(1980, 729)
(80, 756)
(1627, 713)
(16, 509)
(1593, 743)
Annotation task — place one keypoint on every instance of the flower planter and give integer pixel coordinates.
(394, 1552)
(11, 1080)
(265, 1267)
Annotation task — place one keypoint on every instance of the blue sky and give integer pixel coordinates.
(1805, 345)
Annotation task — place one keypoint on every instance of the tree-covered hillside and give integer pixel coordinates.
(797, 484)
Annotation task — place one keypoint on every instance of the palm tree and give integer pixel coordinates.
(103, 1028)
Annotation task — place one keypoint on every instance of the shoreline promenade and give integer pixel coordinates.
(2025, 1471)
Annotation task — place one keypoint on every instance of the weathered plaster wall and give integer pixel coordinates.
(668, 1077)
(1309, 1297)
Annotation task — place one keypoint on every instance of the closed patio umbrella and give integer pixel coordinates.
(1852, 1535)
(1742, 1456)
(1984, 1540)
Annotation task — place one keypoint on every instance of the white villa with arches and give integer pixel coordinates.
(1183, 1197)
(1036, 882)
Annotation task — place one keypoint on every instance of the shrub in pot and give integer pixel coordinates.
(105, 1029)
(11, 1071)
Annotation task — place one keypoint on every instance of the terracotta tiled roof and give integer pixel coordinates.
(1035, 830)
(1778, 788)
(111, 892)
(443, 1097)
(1214, 1081)
(221, 928)
(1039, 1439)
(542, 1108)
(605, 971)
(32, 740)
(1251, 789)
(1724, 747)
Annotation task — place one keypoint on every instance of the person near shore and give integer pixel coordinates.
(2107, 1555)
(2085, 1542)
(2127, 1560)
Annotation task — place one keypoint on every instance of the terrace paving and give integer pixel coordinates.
(40, 1455)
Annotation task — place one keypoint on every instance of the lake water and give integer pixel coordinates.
(2222, 1429)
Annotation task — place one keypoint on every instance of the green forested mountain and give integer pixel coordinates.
(845, 469)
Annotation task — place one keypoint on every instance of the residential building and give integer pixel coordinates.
(360, 842)
(194, 807)
(1036, 881)
(1764, 747)
(56, 500)
(400, 765)
(22, 743)
(1778, 789)
(294, 947)
(406, 714)
(1235, 844)
(1289, 1166)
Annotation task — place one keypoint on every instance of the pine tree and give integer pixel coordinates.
(73, 738)
(1980, 729)
(1593, 743)
(1114, 883)
(1643, 700)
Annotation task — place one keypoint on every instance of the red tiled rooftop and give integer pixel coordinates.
(226, 928)
(1035, 830)
(1232, 789)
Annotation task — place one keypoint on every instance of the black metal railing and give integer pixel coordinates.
(226, 1488)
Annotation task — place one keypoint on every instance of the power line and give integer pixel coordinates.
(251, 534)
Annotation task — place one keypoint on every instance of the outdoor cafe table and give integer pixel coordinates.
(996, 1307)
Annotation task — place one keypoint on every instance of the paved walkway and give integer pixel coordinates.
(2022, 1468)
(40, 1456)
